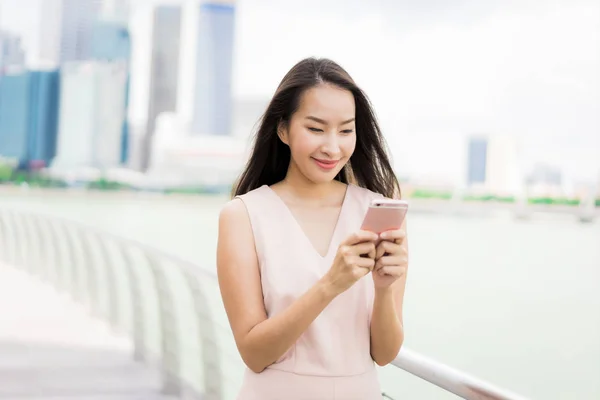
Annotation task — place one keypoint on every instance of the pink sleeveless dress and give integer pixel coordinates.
(331, 360)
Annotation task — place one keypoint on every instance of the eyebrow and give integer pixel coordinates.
(321, 121)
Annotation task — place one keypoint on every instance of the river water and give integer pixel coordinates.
(514, 302)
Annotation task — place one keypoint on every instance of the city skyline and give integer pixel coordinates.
(70, 113)
(76, 29)
(503, 72)
(164, 72)
(93, 63)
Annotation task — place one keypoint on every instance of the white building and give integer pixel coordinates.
(503, 175)
(11, 51)
(183, 159)
(164, 70)
(493, 165)
(77, 19)
(46, 50)
(116, 10)
(91, 115)
(66, 28)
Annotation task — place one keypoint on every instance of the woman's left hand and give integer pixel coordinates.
(391, 258)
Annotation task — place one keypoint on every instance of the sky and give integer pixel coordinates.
(436, 70)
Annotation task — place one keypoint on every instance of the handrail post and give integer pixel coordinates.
(30, 264)
(72, 283)
(60, 265)
(139, 341)
(37, 261)
(19, 251)
(4, 231)
(211, 361)
(94, 298)
(114, 297)
(23, 228)
(42, 254)
(171, 348)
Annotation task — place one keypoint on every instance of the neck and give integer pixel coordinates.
(302, 188)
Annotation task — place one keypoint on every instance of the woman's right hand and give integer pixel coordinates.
(354, 259)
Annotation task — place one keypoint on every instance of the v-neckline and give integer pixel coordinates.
(301, 230)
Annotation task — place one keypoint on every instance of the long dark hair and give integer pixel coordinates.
(368, 167)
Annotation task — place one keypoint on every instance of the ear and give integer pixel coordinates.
(283, 132)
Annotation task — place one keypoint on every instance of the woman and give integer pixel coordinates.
(311, 300)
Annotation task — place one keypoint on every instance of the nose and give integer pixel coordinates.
(331, 145)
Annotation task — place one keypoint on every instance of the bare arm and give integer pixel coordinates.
(387, 329)
(260, 340)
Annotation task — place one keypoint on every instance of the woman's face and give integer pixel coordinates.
(321, 134)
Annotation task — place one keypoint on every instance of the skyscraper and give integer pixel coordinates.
(116, 10)
(91, 115)
(77, 23)
(43, 116)
(503, 175)
(11, 51)
(213, 95)
(14, 107)
(28, 117)
(477, 160)
(47, 48)
(493, 164)
(164, 70)
(111, 42)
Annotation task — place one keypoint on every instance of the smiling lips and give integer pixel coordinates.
(326, 164)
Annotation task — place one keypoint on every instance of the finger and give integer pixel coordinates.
(360, 237)
(391, 261)
(395, 271)
(372, 253)
(365, 262)
(360, 272)
(363, 248)
(387, 247)
(396, 235)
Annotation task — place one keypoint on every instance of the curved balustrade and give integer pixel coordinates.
(171, 308)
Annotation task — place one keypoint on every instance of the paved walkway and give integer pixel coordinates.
(51, 349)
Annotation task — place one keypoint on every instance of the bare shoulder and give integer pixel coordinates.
(235, 239)
(233, 211)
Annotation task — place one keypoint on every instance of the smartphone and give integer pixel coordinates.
(385, 215)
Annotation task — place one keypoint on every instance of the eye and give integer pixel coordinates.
(347, 131)
(315, 130)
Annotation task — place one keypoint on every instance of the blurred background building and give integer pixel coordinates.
(493, 165)
(213, 103)
(11, 51)
(477, 161)
(116, 10)
(77, 21)
(164, 71)
(92, 114)
(28, 116)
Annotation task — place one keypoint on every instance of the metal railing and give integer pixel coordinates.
(171, 308)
